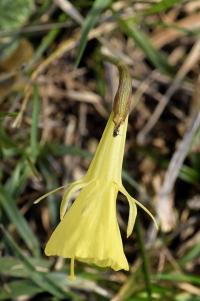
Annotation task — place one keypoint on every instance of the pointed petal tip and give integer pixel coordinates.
(47, 194)
(148, 212)
(156, 224)
(128, 234)
(130, 198)
(132, 210)
(71, 189)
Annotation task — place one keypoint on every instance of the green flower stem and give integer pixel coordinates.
(145, 264)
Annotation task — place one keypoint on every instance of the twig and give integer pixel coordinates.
(68, 8)
(165, 205)
(61, 49)
(192, 59)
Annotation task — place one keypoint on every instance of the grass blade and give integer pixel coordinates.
(11, 210)
(157, 58)
(179, 278)
(46, 42)
(11, 266)
(161, 6)
(41, 279)
(34, 125)
(89, 23)
(191, 255)
(18, 288)
(57, 149)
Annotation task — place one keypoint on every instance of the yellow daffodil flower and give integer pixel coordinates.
(88, 230)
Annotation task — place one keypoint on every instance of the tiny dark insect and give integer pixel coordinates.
(116, 132)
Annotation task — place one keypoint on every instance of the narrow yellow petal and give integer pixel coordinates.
(148, 212)
(123, 190)
(48, 193)
(132, 211)
(131, 217)
(72, 188)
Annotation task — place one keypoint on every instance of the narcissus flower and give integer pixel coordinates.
(89, 230)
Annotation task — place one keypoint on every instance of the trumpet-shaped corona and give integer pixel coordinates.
(88, 230)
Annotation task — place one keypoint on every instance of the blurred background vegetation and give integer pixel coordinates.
(56, 93)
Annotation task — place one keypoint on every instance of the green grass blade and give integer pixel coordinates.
(11, 210)
(60, 150)
(5, 141)
(89, 23)
(192, 254)
(14, 183)
(19, 288)
(35, 121)
(157, 58)
(162, 6)
(41, 279)
(189, 174)
(47, 41)
(11, 266)
(51, 182)
(179, 278)
(7, 114)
